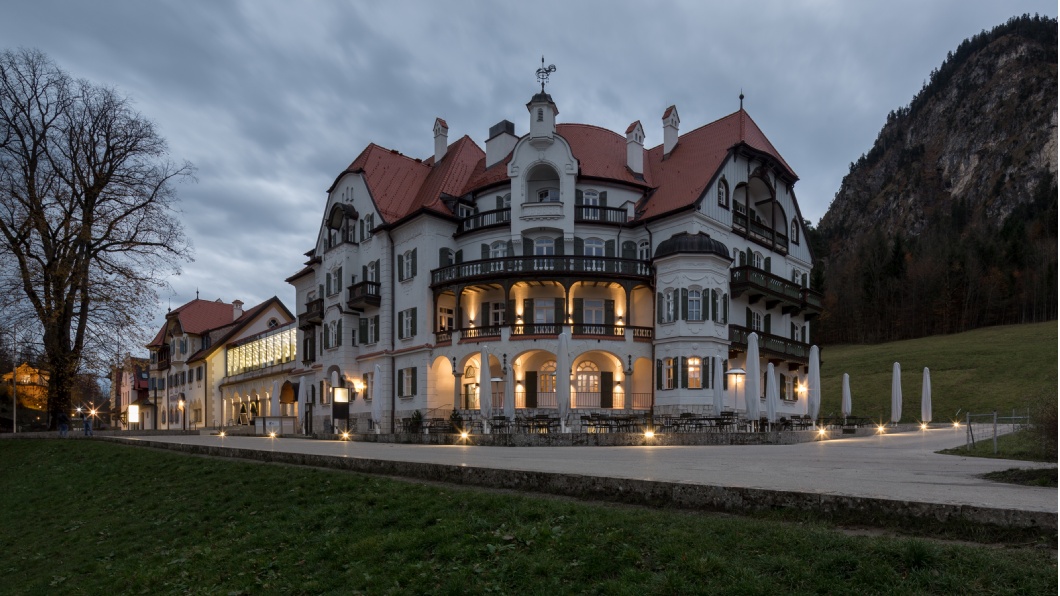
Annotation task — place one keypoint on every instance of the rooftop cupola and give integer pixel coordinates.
(542, 110)
(671, 122)
(441, 139)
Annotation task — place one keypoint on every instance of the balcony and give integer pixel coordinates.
(762, 234)
(162, 362)
(758, 284)
(537, 266)
(771, 346)
(365, 293)
(596, 214)
(314, 313)
(520, 330)
(486, 219)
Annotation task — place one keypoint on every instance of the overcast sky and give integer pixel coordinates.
(270, 100)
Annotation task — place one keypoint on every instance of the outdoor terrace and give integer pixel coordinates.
(536, 266)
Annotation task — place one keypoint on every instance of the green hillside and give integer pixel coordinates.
(979, 371)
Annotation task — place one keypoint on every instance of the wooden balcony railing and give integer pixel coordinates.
(762, 234)
(486, 219)
(365, 293)
(314, 313)
(757, 283)
(597, 214)
(771, 345)
(536, 266)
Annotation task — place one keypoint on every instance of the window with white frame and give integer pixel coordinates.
(498, 250)
(644, 250)
(668, 306)
(445, 318)
(407, 382)
(369, 385)
(372, 271)
(373, 330)
(407, 321)
(506, 201)
(795, 231)
(756, 321)
(593, 315)
(497, 312)
(695, 305)
(544, 247)
(594, 247)
(723, 193)
(464, 211)
(669, 374)
(408, 264)
(546, 377)
(695, 373)
(590, 199)
(544, 312)
(548, 195)
(756, 260)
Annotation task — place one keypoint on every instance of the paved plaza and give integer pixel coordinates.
(899, 466)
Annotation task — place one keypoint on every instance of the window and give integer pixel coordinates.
(497, 312)
(407, 321)
(372, 272)
(407, 265)
(590, 199)
(464, 211)
(756, 321)
(544, 312)
(644, 251)
(407, 382)
(795, 231)
(333, 281)
(723, 193)
(543, 247)
(668, 373)
(198, 374)
(369, 386)
(695, 305)
(593, 316)
(445, 318)
(546, 377)
(695, 373)
(505, 201)
(756, 260)
(498, 250)
(540, 115)
(548, 195)
(668, 307)
(369, 330)
(594, 247)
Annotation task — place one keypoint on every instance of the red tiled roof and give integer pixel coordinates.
(632, 126)
(681, 178)
(450, 176)
(197, 317)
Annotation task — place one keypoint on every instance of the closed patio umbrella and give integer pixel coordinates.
(719, 395)
(302, 403)
(563, 389)
(896, 393)
(509, 394)
(846, 396)
(751, 391)
(377, 399)
(274, 399)
(925, 398)
(772, 394)
(485, 397)
(813, 382)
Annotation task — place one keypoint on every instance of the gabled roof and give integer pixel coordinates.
(196, 317)
(236, 326)
(681, 178)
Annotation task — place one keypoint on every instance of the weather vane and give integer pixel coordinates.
(543, 72)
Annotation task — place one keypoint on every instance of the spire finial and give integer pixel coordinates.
(543, 72)
(741, 98)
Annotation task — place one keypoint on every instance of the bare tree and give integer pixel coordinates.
(87, 212)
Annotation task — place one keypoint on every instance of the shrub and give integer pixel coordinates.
(1044, 425)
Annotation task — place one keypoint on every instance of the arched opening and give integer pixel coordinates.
(542, 184)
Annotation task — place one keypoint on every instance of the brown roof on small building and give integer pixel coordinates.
(196, 317)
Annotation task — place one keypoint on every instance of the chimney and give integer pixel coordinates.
(237, 309)
(441, 139)
(670, 123)
(635, 148)
(500, 143)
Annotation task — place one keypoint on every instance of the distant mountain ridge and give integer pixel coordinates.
(949, 222)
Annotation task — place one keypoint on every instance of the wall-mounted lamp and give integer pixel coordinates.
(629, 366)
(453, 364)
(358, 387)
(504, 366)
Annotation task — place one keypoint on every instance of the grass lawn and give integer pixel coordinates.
(1018, 445)
(979, 371)
(89, 517)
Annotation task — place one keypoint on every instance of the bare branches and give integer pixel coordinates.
(87, 207)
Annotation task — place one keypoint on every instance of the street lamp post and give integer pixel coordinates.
(183, 414)
(736, 374)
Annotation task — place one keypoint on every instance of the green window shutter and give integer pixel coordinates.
(579, 246)
(530, 387)
(413, 322)
(607, 388)
(603, 199)
(684, 372)
(485, 251)
(629, 250)
(609, 312)
(415, 384)
(401, 267)
(804, 280)
(793, 328)
(767, 265)
(684, 304)
(724, 377)
(459, 256)
(484, 314)
(362, 331)
(578, 197)
(500, 202)
(750, 256)
(658, 374)
(327, 279)
(414, 262)
(378, 271)
(528, 311)
(338, 280)
(338, 334)
(509, 315)
(443, 257)
(714, 306)
(378, 331)
(743, 258)
(579, 311)
(561, 312)
(510, 249)
(364, 272)
(558, 243)
(528, 247)
(724, 308)
(660, 306)
(609, 248)
(767, 326)
(748, 309)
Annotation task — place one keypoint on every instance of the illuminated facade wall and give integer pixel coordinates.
(271, 349)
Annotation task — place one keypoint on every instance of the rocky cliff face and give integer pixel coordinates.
(982, 133)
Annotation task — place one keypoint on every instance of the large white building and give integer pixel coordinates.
(652, 264)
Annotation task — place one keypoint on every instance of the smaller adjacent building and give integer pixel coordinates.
(214, 364)
(129, 386)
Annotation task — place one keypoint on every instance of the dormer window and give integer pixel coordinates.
(548, 195)
(723, 193)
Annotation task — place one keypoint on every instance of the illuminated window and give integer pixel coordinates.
(695, 373)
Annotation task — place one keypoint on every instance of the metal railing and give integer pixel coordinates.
(771, 344)
(775, 239)
(484, 220)
(314, 312)
(365, 292)
(597, 214)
